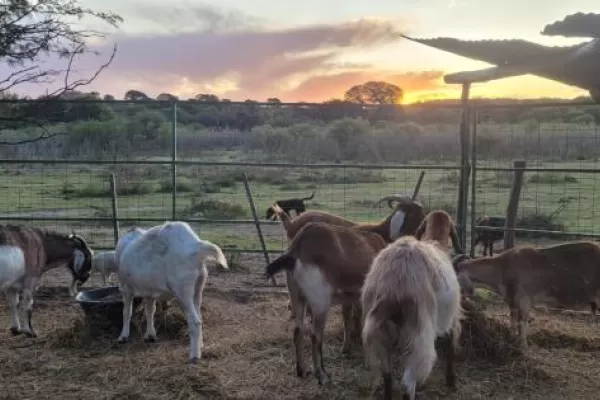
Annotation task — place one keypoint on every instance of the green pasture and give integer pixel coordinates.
(217, 193)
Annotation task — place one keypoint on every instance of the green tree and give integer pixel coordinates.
(374, 92)
(135, 95)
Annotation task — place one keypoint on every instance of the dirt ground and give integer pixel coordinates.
(247, 353)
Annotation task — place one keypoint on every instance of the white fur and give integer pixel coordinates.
(12, 275)
(167, 259)
(403, 265)
(396, 224)
(315, 288)
(105, 264)
(124, 241)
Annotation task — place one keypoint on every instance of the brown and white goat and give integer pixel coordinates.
(563, 275)
(327, 265)
(26, 254)
(404, 219)
(410, 297)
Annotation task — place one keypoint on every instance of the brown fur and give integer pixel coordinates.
(43, 250)
(343, 257)
(564, 275)
(414, 215)
(413, 211)
(401, 309)
(438, 227)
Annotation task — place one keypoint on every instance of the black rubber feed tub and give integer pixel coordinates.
(104, 304)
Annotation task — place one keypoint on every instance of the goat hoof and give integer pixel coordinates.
(300, 373)
(30, 334)
(150, 339)
(194, 360)
(15, 331)
(122, 340)
(323, 379)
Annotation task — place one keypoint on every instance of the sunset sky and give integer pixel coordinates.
(314, 50)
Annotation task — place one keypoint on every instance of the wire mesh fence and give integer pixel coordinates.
(186, 160)
(560, 146)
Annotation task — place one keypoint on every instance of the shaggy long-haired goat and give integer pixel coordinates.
(410, 297)
(167, 259)
(564, 275)
(25, 255)
(327, 265)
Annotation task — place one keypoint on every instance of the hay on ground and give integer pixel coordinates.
(486, 337)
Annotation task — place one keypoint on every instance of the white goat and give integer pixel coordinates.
(410, 297)
(105, 264)
(12, 270)
(166, 259)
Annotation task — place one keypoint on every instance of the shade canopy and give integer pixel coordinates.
(576, 65)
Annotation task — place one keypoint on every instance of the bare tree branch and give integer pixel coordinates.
(30, 29)
(46, 134)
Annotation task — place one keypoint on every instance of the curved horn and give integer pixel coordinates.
(455, 241)
(395, 197)
(459, 258)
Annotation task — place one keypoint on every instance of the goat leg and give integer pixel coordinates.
(387, 386)
(150, 310)
(450, 353)
(29, 331)
(12, 296)
(317, 348)
(127, 311)
(347, 320)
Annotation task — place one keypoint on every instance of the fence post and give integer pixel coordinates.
(174, 162)
(257, 224)
(513, 204)
(112, 181)
(473, 181)
(461, 209)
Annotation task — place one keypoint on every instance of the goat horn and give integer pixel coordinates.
(459, 258)
(389, 199)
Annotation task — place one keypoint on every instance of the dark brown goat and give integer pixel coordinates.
(26, 254)
(487, 237)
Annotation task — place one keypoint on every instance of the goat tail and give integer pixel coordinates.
(399, 327)
(455, 241)
(285, 261)
(312, 196)
(215, 252)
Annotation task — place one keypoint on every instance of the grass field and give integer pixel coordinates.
(217, 193)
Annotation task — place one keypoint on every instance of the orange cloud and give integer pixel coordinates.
(323, 87)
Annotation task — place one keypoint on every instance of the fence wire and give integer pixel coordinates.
(185, 161)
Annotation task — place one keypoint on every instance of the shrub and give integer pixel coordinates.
(215, 209)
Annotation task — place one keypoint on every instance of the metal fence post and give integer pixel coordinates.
(174, 162)
(473, 180)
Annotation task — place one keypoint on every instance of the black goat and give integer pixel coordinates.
(487, 238)
(295, 204)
